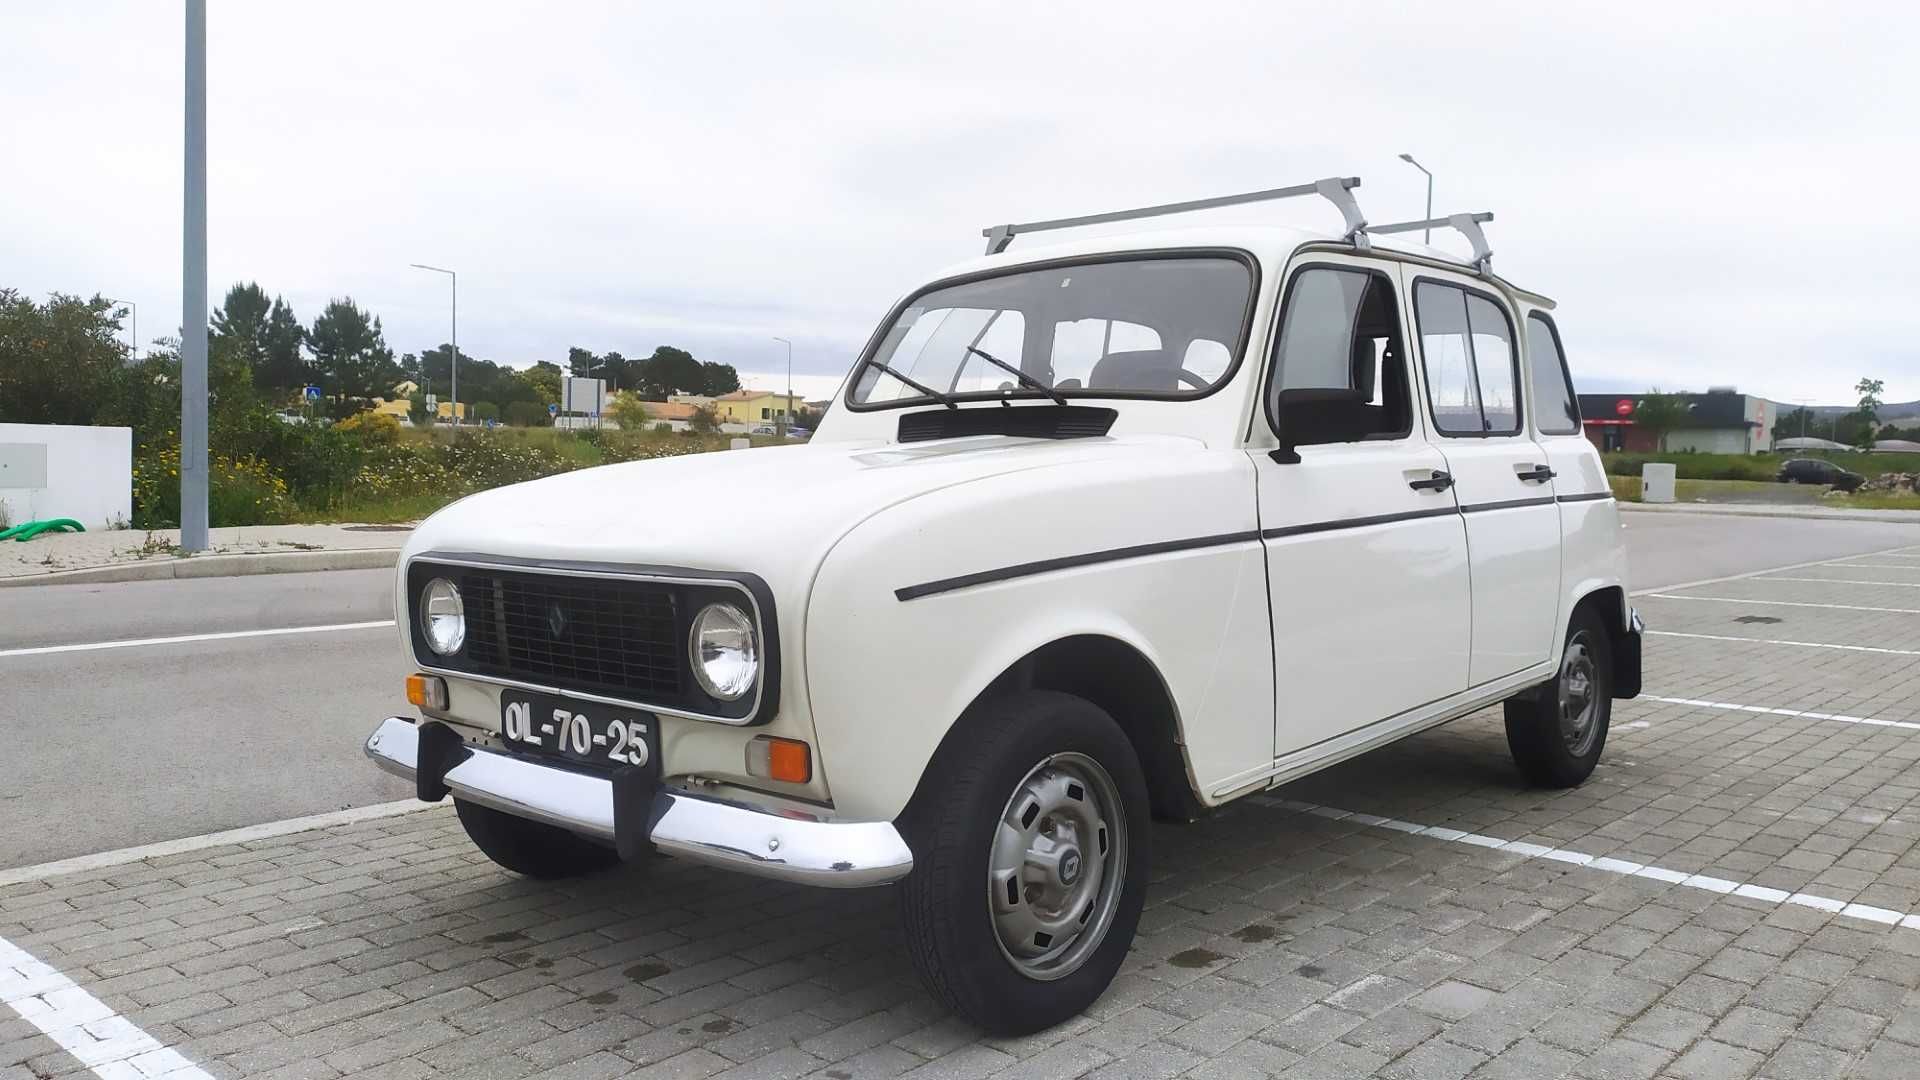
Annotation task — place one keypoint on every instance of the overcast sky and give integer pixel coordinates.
(1714, 195)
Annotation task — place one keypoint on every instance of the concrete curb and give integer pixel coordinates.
(1811, 513)
(206, 566)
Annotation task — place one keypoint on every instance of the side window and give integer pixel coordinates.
(1466, 345)
(1340, 330)
(1555, 408)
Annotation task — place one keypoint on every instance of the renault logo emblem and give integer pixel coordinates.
(556, 622)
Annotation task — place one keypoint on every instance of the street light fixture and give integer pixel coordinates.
(787, 412)
(1427, 235)
(453, 360)
(133, 331)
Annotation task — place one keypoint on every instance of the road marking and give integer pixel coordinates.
(1891, 552)
(1624, 867)
(108, 1044)
(1877, 566)
(1770, 711)
(244, 835)
(228, 635)
(1777, 641)
(1783, 603)
(1846, 581)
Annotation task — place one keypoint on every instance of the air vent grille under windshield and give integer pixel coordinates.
(1024, 421)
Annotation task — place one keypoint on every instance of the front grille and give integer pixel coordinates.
(609, 636)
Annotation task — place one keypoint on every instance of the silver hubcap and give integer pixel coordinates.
(1058, 863)
(1578, 697)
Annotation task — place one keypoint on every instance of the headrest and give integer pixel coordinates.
(1143, 369)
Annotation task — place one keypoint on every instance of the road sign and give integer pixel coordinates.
(553, 410)
(313, 393)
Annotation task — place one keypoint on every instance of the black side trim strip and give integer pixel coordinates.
(1587, 497)
(1510, 504)
(1357, 523)
(1068, 562)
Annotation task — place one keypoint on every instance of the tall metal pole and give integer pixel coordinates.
(193, 292)
(788, 411)
(1427, 235)
(453, 361)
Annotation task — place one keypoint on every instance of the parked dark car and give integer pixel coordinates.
(1816, 471)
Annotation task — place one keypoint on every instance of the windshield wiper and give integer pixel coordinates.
(944, 399)
(1058, 397)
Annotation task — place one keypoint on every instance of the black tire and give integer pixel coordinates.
(531, 848)
(1551, 749)
(1012, 745)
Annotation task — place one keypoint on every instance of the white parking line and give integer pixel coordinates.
(108, 1044)
(1624, 867)
(245, 835)
(1877, 566)
(1783, 603)
(1845, 581)
(228, 635)
(1778, 641)
(1770, 711)
(1894, 553)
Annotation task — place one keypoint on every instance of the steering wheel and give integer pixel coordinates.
(1196, 381)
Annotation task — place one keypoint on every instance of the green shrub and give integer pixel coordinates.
(371, 428)
(240, 491)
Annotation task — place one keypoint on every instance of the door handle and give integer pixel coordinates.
(1538, 474)
(1439, 481)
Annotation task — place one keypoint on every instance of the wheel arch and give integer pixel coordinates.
(1116, 676)
(1609, 603)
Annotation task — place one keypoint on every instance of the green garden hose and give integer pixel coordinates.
(29, 530)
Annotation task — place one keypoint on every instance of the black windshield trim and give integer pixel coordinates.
(1239, 346)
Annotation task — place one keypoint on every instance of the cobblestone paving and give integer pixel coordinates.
(1276, 943)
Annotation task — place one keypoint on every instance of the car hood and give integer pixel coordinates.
(773, 511)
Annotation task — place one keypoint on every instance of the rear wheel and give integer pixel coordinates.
(1030, 862)
(1556, 731)
(530, 847)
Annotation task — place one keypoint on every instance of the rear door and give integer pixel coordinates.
(1502, 478)
(1367, 573)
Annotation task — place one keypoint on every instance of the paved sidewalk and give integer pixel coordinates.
(155, 553)
(1789, 510)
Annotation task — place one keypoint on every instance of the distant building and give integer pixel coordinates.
(755, 407)
(1720, 421)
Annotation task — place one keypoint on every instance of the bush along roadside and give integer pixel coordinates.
(369, 470)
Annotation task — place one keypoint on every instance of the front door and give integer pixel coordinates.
(1502, 477)
(1366, 553)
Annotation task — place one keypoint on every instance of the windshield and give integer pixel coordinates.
(1139, 327)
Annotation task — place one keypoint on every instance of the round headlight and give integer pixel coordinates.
(443, 618)
(725, 651)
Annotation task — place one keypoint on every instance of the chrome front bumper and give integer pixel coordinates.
(725, 834)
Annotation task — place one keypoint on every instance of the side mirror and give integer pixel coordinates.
(1305, 417)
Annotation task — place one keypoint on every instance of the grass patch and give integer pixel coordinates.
(1689, 466)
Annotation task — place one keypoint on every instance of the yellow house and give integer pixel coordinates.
(755, 407)
(398, 405)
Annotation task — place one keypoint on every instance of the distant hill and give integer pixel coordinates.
(1896, 410)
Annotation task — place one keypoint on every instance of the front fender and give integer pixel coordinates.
(891, 667)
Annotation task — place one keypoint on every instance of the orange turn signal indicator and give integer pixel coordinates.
(787, 760)
(427, 691)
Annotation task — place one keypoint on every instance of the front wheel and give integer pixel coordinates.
(1030, 862)
(1556, 731)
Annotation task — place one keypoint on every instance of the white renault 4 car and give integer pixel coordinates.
(1094, 534)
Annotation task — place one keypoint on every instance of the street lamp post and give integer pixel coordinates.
(453, 359)
(788, 411)
(133, 331)
(1426, 235)
(193, 289)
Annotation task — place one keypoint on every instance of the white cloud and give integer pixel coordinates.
(1714, 196)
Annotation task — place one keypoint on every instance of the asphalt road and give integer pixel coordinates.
(111, 748)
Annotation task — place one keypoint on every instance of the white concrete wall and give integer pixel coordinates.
(1710, 440)
(89, 474)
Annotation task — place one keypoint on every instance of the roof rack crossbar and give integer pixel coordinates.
(1467, 225)
(1335, 189)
